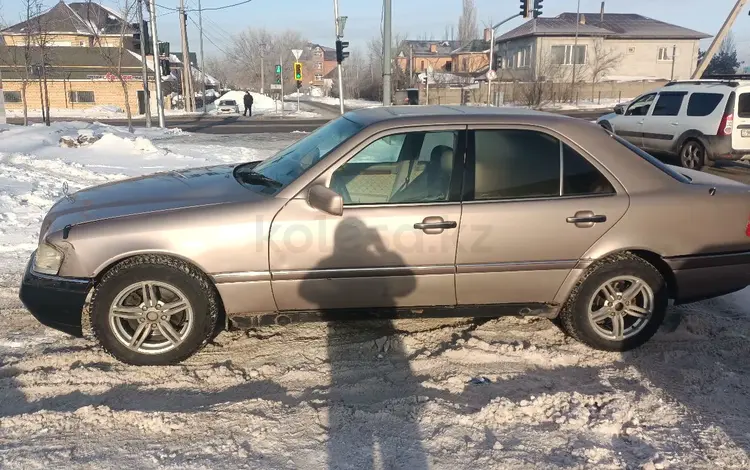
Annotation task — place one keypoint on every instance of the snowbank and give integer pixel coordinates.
(95, 112)
(260, 102)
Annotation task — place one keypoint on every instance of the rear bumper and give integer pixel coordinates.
(720, 148)
(706, 276)
(55, 301)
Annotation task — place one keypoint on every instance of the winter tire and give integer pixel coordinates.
(153, 310)
(618, 305)
(692, 154)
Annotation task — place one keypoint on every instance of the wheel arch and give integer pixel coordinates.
(693, 134)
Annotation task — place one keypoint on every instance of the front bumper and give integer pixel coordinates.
(55, 301)
(707, 276)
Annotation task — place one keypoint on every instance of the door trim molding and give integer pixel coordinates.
(516, 266)
(339, 273)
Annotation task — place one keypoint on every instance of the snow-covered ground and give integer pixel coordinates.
(355, 395)
(349, 103)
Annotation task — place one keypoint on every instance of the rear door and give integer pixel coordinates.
(662, 126)
(533, 205)
(741, 132)
(630, 125)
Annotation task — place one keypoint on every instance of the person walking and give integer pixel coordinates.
(248, 98)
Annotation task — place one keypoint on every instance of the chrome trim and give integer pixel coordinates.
(246, 276)
(339, 273)
(542, 198)
(516, 266)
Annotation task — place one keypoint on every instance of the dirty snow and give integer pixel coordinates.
(348, 103)
(356, 395)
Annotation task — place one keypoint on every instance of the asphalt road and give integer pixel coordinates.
(252, 125)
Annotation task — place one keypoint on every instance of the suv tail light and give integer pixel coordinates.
(727, 123)
(747, 228)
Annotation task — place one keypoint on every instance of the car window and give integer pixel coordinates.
(512, 164)
(743, 105)
(641, 106)
(668, 104)
(391, 170)
(703, 104)
(580, 177)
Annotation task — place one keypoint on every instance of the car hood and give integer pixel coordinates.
(152, 193)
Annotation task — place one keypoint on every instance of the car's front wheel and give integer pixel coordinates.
(618, 305)
(153, 310)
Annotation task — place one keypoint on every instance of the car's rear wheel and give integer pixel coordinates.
(618, 305)
(692, 154)
(153, 310)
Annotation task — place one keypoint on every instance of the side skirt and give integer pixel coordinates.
(254, 320)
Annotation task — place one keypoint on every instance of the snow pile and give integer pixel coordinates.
(94, 112)
(348, 103)
(260, 102)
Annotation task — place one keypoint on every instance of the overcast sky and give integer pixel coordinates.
(314, 18)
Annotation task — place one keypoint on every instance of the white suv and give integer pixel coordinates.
(698, 120)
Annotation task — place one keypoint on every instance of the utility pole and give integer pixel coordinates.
(387, 62)
(718, 39)
(187, 76)
(575, 48)
(144, 68)
(411, 65)
(157, 67)
(262, 66)
(203, 62)
(338, 36)
(674, 54)
(281, 62)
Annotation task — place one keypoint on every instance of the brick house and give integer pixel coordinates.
(84, 43)
(644, 47)
(472, 57)
(417, 55)
(317, 62)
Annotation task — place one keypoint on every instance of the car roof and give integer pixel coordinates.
(416, 115)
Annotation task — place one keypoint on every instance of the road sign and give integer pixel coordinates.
(276, 86)
(297, 53)
(491, 75)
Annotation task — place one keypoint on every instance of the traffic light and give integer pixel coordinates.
(537, 8)
(278, 73)
(340, 54)
(526, 8)
(299, 84)
(164, 65)
(297, 71)
(137, 39)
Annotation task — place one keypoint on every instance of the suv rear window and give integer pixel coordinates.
(652, 160)
(703, 104)
(743, 105)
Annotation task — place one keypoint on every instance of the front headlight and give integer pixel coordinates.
(48, 259)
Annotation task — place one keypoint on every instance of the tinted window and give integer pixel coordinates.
(652, 160)
(641, 106)
(703, 104)
(668, 104)
(392, 170)
(581, 177)
(743, 105)
(511, 164)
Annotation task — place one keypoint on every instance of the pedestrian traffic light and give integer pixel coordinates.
(297, 71)
(526, 8)
(278, 74)
(340, 54)
(537, 8)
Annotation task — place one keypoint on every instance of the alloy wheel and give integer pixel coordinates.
(621, 308)
(692, 155)
(151, 317)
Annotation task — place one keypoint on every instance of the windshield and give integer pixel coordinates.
(653, 160)
(275, 173)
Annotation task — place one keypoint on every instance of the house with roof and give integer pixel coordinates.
(473, 57)
(627, 46)
(417, 56)
(318, 62)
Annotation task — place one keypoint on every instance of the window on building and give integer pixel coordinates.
(81, 96)
(703, 104)
(568, 54)
(668, 104)
(318, 77)
(421, 64)
(318, 53)
(465, 64)
(665, 53)
(522, 58)
(12, 96)
(319, 66)
(448, 65)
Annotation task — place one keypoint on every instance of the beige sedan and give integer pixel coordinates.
(392, 212)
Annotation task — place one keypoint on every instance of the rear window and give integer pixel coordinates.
(703, 104)
(743, 105)
(652, 160)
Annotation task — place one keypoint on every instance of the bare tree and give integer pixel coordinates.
(467, 23)
(113, 56)
(19, 58)
(41, 38)
(220, 68)
(602, 62)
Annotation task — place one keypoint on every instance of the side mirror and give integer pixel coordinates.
(326, 200)
(619, 109)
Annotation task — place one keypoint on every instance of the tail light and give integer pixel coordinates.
(747, 227)
(727, 123)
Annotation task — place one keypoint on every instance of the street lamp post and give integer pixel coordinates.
(492, 51)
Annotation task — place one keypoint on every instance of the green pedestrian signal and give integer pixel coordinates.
(278, 69)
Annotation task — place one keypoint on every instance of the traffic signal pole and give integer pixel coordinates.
(144, 66)
(492, 52)
(157, 67)
(387, 62)
(340, 74)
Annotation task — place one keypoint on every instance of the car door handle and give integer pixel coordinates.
(438, 225)
(675, 123)
(586, 219)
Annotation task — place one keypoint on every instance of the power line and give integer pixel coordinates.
(205, 34)
(207, 9)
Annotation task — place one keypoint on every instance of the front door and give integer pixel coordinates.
(534, 205)
(662, 125)
(629, 126)
(394, 245)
